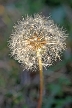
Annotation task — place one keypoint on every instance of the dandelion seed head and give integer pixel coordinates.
(32, 34)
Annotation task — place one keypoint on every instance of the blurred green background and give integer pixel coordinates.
(20, 89)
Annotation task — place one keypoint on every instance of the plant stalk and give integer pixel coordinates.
(41, 79)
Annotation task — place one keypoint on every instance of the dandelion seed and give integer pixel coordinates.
(34, 33)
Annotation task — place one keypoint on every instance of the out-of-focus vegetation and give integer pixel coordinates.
(20, 89)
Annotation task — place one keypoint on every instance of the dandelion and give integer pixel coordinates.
(36, 42)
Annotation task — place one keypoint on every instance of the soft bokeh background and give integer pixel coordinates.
(20, 89)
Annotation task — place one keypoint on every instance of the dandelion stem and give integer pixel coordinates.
(41, 80)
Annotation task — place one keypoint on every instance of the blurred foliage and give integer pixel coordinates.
(20, 89)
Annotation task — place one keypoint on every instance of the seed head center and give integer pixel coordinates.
(37, 42)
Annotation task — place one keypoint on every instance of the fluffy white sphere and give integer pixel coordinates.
(32, 34)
